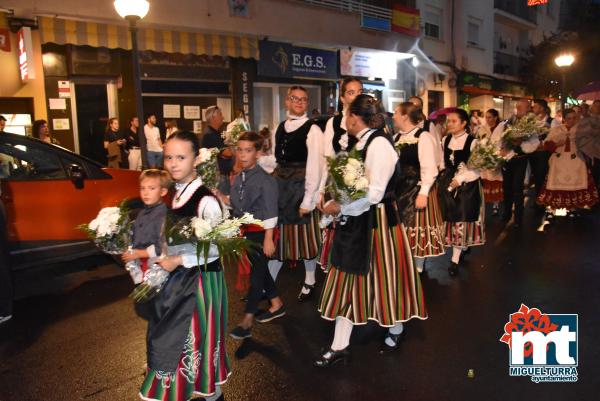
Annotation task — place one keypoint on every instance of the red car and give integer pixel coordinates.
(47, 192)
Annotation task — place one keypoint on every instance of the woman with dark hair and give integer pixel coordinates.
(492, 179)
(420, 159)
(371, 275)
(460, 190)
(114, 143)
(41, 131)
(337, 140)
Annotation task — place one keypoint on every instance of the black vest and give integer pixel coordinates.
(190, 208)
(460, 156)
(338, 132)
(290, 147)
(409, 181)
(409, 154)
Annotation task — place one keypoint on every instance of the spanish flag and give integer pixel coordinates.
(406, 20)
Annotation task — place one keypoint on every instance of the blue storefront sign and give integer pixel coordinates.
(283, 60)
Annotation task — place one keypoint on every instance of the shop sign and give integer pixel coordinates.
(26, 66)
(284, 60)
(5, 40)
(369, 63)
(532, 3)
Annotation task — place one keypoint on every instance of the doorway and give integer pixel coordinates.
(92, 116)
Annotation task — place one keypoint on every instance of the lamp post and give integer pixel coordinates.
(133, 11)
(563, 62)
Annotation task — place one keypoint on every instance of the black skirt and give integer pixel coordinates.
(461, 204)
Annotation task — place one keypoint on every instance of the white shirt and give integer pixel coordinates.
(208, 209)
(430, 157)
(465, 174)
(379, 167)
(153, 142)
(314, 162)
(328, 150)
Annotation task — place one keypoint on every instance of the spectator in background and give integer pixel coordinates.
(558, 118)
(114, 143)
(2, 124)
(154, 144)
(425, 123)
(133, 145)
(41, 131)
(212, 139)
(578, 111)
(171, 126)
(586, 110)
(595, 109)
(588, 140)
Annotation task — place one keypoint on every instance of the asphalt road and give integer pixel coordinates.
(77, 337)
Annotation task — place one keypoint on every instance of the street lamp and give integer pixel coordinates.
(563, 62)
(133, 11)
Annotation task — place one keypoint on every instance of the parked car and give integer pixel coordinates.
(48, 191)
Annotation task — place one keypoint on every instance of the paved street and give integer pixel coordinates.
(85, 342)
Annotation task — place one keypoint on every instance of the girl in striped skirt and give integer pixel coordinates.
(188, 318)
(461, 192)
(420, 158)
(298, 150)
(372, 276)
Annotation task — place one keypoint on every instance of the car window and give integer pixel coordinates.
(29, 163)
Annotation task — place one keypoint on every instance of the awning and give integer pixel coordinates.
(65, 31)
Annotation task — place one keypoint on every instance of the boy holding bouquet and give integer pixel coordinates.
(147, 227)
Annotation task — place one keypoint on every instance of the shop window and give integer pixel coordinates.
(433, 23)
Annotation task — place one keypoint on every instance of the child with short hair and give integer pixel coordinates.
(256, 192)
(148, 226)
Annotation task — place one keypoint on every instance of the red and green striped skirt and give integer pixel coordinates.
(390, 293)
(327, 243)
(203, 364)
(426, 233)
(299, 241)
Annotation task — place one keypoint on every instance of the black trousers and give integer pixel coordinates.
(513, 173)
(260, 278)
(595, 168)
(6, 285)
(539, 167)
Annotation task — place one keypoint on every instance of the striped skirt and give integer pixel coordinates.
(299, 241)
(325, 251)
(390, 293)
(467, 233)
(204, 363)
(426, 233)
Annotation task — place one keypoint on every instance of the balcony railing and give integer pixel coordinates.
(508, 64)
(372, 8)
(518, 8)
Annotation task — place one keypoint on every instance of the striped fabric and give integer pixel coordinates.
(65, 31)
(466, 234)
(426, 234)
(204, 363)
(325, 252)
(390, 293)
(299, 241)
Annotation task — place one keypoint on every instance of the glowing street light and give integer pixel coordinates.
(563, 62)
(132, 8)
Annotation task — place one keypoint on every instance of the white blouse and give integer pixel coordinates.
(314, 162)
(379, 167)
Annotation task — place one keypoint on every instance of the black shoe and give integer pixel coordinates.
(396, 338)
(268, 316)
(302, 296)
(332, 357)
(239, 333)
(453, 269)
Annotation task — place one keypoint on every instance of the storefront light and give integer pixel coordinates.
(132, 8)
(415, 62)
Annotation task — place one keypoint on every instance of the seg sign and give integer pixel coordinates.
(283, 60)
(26, 66)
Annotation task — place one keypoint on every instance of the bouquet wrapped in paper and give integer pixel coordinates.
(208, 168)
(111, 229)
(486, 154)
(524, 134)
(347, 178)
(234, 130)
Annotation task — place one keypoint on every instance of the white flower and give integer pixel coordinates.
(353, 163)
(205, 155)
(361, 184)
(349, 178)
(530, 145)
(201, 227)
(106, 223)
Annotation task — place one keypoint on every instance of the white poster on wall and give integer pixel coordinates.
(191, 112)
(57, 104)
(197, 126)
(370, 63)
(225, 105)
(171, 111)
(60, 124)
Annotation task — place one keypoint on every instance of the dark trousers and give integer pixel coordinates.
(260, 278)
(6, 286)
(539, 167)
(595, 168)
(513, 174)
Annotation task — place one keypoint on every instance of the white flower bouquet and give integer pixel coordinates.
(524, 134)
(405, 140)
(111, 229)
(234, 130)
(208, 168)
(348, 181)
(486, 154)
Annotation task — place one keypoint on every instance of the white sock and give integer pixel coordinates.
(420, 263)
(310, 267)
(216, 395)
(398, 328)
(341, 336)
(274, 267)
(456, 250)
